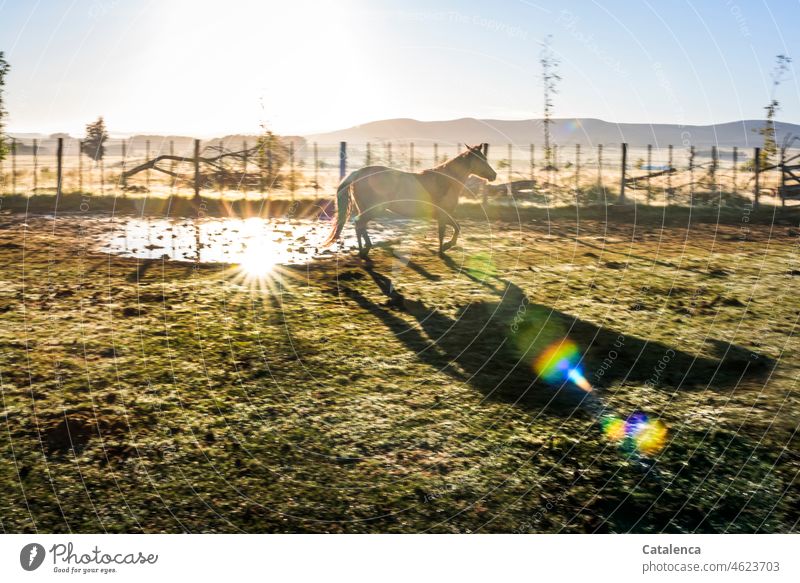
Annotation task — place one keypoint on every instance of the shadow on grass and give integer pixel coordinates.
(492, 345)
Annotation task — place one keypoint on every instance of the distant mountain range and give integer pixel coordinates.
(585, 131)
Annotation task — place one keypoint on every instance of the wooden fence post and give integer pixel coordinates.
(368, 157)
(389, 154)
(600, 166)
(316, 170)
(533, 167)
(669, 174)
(197, 169)
(649, 169)
(577, 167)
(35, 165)
(691, 175)
(124, 180)
(435, 154)
(735, 163)
(342, 160)
(622, 180)
(411, 157)
(292, 183)
(713, 169)
(147, 172)
(59, 165)
(171, 164)
(80, 166)
(14, 165)
(509, 164)
(757, 172)
(483, 185)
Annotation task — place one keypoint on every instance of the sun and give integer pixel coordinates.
(257, 260)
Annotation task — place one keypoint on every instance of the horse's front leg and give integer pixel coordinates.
(456, 232)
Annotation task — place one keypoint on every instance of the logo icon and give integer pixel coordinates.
(31, 556)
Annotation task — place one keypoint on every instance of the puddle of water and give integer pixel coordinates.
(252, 242)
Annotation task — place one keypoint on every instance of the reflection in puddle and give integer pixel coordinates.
(255, 244)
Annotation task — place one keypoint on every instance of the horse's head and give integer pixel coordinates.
(478, 164)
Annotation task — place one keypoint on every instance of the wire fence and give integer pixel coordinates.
(295, 168)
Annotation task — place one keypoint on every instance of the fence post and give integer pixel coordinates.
(600, 166)
(484, 190)
(389, 153)
(14, 165)
(59, 165)
(316, 170)
(757, 172)
(735, 163)
(782, 177)
(80, 165)
(411, 157)
(342, 160)
(691, 175)
(147, 172)
(102, 175)
(197, 169)
(669, 174)
(292, 184)
(510, 153)
(622, 180)
(649, 169)
(123, 181)
(577, 167)
(435, 154)
(533, 167)
(713, 169)
(35, 164)
(221, 171)
(369, 154)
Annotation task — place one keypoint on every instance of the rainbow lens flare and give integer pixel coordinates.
(639, 432)
(559, 362)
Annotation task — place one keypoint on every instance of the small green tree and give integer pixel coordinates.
(550, 79)
(4, 69)
(272, 155)
(94, 142)
(770, 147)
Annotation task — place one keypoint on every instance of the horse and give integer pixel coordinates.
(430, 194)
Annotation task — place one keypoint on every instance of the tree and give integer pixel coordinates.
(770, 147)
(4, 69)
(94, 142)
(550, 78)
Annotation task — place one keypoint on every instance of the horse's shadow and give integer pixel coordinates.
(491, 345)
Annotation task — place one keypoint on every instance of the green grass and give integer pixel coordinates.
(142, 396)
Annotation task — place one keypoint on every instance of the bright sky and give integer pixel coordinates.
(204, 68)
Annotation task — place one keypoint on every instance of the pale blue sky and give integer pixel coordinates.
(206, 68)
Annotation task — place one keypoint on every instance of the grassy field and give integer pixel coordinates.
(397, 395)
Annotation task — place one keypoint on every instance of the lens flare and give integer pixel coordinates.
(559, 362)
(638, 432)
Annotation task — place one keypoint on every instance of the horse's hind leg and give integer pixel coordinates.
(442, 227)
(361, 232)
(456, 232)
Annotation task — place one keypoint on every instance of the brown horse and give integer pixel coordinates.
(430, 194)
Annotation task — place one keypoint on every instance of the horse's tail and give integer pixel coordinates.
(344, 202)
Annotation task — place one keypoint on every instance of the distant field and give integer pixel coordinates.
(395, 395)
